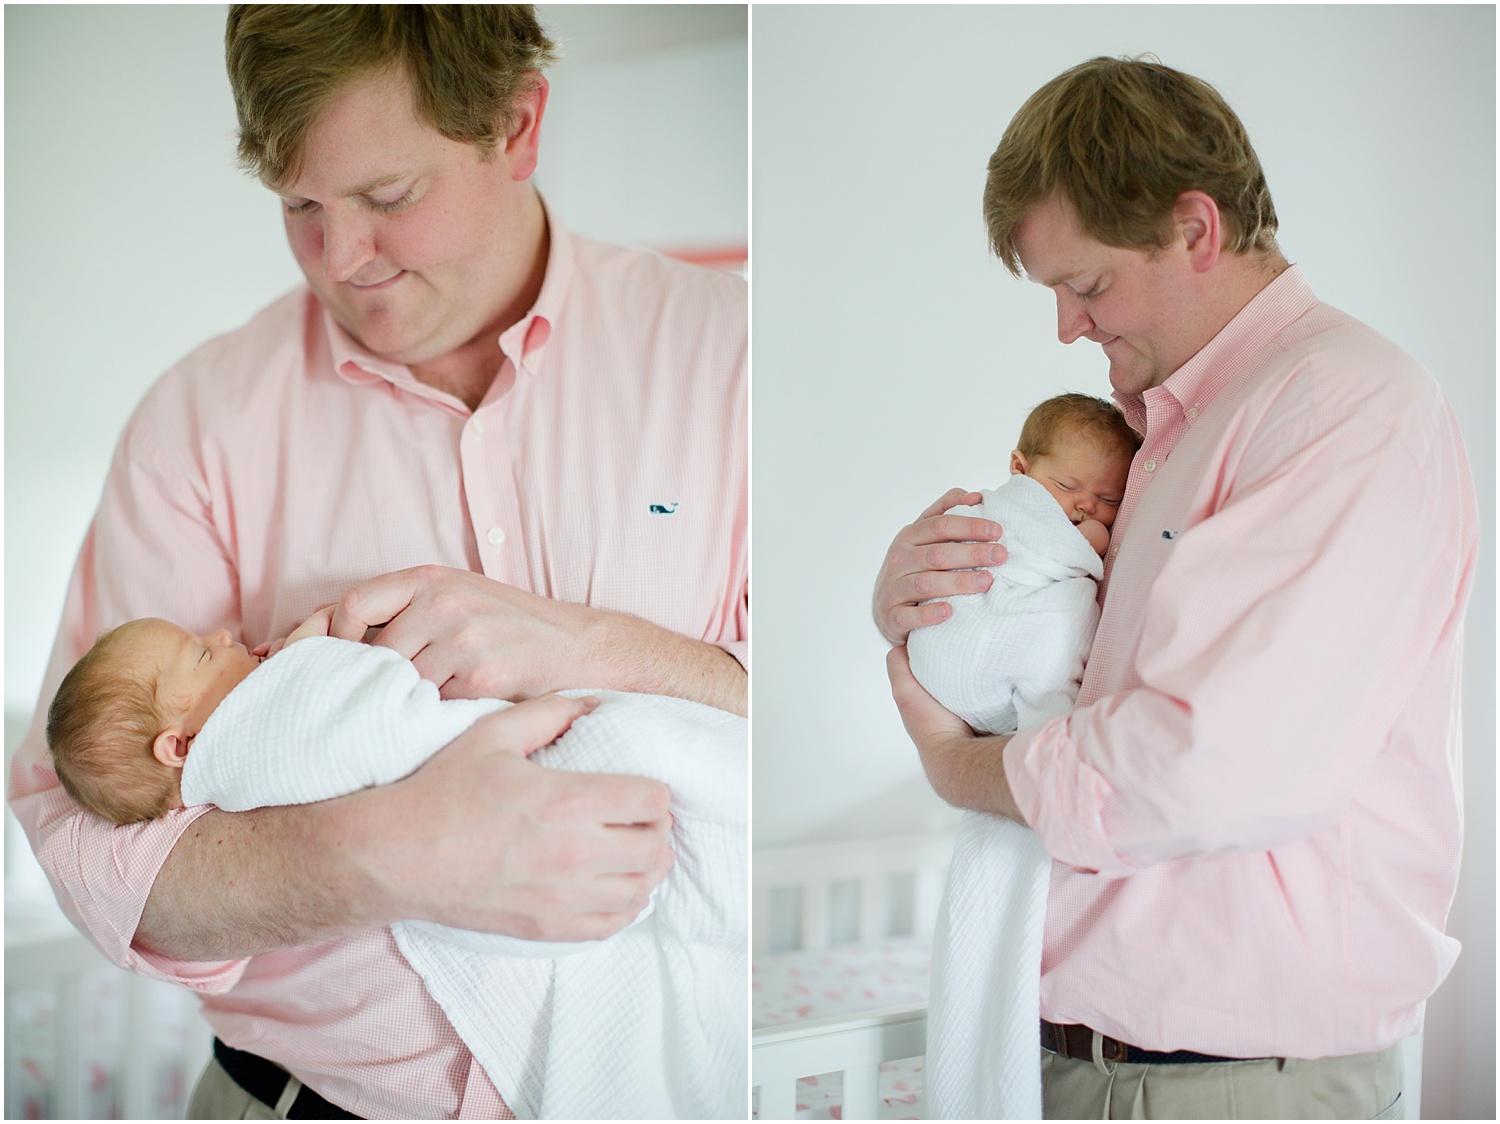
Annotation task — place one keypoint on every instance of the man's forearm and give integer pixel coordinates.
(644, 657)
(241, 883)
(969, 772)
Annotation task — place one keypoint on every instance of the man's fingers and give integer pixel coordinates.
(953, 497)
(629, 801)
(921, 714)
(373, 602)
(953, 528)
(526, 727)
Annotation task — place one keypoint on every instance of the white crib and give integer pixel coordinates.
(822, 896)
(85, 1040)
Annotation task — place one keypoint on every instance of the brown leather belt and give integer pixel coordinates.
(1073, 1040)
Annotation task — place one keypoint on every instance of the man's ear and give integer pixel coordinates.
(171, 747)
(1196, 217)
(1017, 463)
(523, 138)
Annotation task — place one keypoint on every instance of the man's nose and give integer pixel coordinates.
(1073, 319)
(347, 244)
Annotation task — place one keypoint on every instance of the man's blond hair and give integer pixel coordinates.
(466, 65)
(1122, 139)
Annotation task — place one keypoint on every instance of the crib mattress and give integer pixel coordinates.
(787, 987)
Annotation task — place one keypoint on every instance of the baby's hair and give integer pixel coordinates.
(1095, 418)
(101, 727)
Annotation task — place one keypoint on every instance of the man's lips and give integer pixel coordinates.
(377, 286)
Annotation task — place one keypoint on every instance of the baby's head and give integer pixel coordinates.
(124, 717)
(1079, 448)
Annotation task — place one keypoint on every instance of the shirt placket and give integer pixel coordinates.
(1164, 420)
(494, 503)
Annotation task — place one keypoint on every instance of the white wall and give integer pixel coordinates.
(894, 359)
(132, 237)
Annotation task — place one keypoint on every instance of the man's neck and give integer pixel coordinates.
(1244, 276)
(468, 371)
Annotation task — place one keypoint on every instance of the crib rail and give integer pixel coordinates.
(811, 872)
(853, 1045)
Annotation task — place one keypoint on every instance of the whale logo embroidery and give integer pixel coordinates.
(1170, 535)
(664, 508)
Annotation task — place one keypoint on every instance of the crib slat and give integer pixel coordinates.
(874, 907)
(929, 896)
(760, 921)
(778, 1100)
(815, 915)
(862, 1092)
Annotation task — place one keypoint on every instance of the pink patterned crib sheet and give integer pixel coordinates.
(788, 987)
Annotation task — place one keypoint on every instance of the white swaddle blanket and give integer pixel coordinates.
(1012, 656)
(649, 1024)
(1006, 659)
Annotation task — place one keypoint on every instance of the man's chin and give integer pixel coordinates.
(392, 342)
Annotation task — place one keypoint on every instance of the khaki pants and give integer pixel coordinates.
(1358, 1087)
(219, 1097)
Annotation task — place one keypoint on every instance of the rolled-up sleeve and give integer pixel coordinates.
(1279, 643)
(150, 551)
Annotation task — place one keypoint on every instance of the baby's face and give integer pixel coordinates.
(1087, 483)
(193, 673)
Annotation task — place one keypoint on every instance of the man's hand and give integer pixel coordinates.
(937, 556)
(964, 768)
(478, 838)
(478, 638)
(542, 854)
(315, 625)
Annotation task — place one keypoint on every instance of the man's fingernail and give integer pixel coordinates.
(997, 554)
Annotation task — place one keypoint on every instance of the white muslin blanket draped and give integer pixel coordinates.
(649, 1024)
(1006, 659)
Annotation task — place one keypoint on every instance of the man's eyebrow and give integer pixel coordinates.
(1061, 278)
(358, 189)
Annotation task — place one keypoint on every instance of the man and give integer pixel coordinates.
(461, 429)
(1254, 810)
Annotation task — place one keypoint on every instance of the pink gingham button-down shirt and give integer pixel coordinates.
(1255, 807)
(281, 463)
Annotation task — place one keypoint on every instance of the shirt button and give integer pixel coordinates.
(477, 424)
(1150, 466)
(496, 537)
(1114, 549)
(1193, 413)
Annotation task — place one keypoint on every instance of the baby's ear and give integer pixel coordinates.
(171, 748)
(1017, 463)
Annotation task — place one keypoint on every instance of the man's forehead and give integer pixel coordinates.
(1052, 245)
(368, 137)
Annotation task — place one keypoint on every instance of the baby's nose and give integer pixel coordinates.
(224, 638)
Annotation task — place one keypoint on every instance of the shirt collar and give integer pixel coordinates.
(1199, 381)
(524, 342)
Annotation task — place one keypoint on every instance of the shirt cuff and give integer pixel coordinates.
(739, 649)
(1061, 799)
(106, 873)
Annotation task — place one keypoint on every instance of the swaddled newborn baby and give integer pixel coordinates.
(1013, 656)
(647, 1024)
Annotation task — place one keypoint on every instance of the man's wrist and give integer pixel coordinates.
(349, 835)
(629, 653)
(968, 771)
